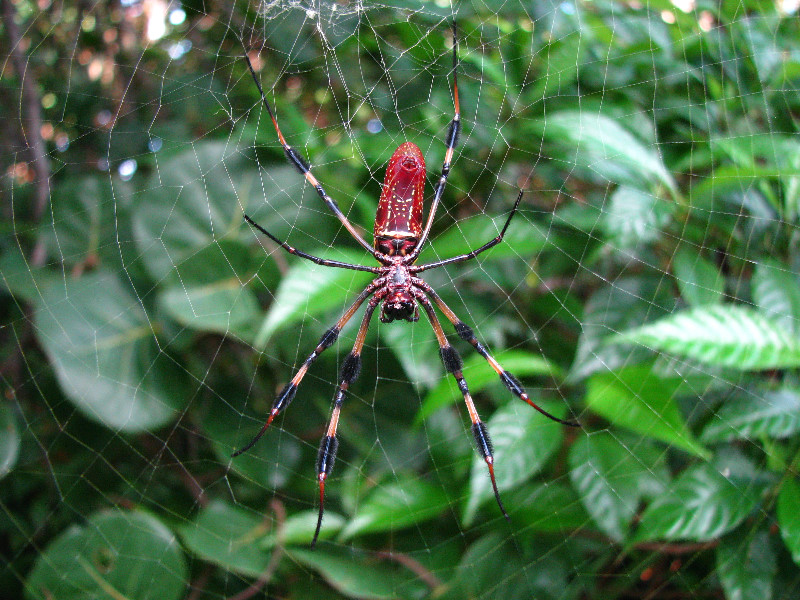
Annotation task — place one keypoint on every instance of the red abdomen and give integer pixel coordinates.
(398, 222)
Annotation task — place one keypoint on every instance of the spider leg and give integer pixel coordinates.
(329, 443)
(450, 141)
(474, 253)
(465, 333)
(326, 341)
(452, 362)
(304, 168)
(320, 261)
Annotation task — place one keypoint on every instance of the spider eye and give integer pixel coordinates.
(395, 246)
(409, 164)
(385, 247)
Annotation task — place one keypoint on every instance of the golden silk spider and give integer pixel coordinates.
(398, 239)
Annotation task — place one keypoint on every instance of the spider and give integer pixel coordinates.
(398, 239)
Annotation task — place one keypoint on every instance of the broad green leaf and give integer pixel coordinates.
(9, 439)
(611, 478)
(395, 506)
(727, 336)
(789, 516)
(308, 290)
(493, 567)
(240, 539)
(698, 279)
(767, 155)
(448, 441)
(523, 440)
(634, 217)
(523, 238)
(640, 400)
(776, 291)
(21, 278)
(114, 554)
(229, 536)
(775, 414)
(746, 566)
(599, 144)
(627, 303)
(766, 48)
(194, 198)
(105, 354)
(299, 528)
(764, 150)
(561, 59)
(479, 374)
(735, 185)
(791, 189)
(207, 291)
(415, 348)
(700, 505)
(83, 225)
(552, 506)
(351, 575)
(271, 463)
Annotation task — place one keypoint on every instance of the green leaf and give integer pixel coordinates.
(197, 197)
(562, 57)
(298, 530)
(627, 303)
(789, 516)
(776, 291)
(492, 567)
(309, 290)
(105, 354)
(21, 278)
(83, 222)
(746, 566)
(699, 280)
(9, 439)
(350, 575)
(270, 464)
(229, 536)
(767, 155)
(700, 505)
(115, 554)
(600, 145)
(765, 150)
(775, 414)
(551, 507)
(415, 348)
(726, 336)
(634, 217)
(640, 400)
(480, 374)
(207, 291)
(523, 442)
(611, 478)
(397, 505)
(523, 238)
(239, 540)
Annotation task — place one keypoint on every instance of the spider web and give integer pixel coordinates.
(647, 287)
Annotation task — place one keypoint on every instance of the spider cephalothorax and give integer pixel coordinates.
(399, 303)
(398, 239)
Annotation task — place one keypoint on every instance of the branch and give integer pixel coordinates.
(31, 110)
(274, 560)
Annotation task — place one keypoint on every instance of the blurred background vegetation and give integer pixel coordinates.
(649, 288)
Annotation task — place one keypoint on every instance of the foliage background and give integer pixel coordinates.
(649, 287)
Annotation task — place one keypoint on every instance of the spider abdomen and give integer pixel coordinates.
(398, 221)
